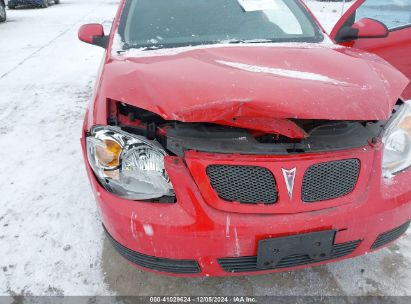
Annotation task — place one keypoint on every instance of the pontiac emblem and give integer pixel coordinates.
(289, 176)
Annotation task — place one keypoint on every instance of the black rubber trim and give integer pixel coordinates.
(249, 264)
(389, 236)
(155, 263)
(101, 41)
(399, 28)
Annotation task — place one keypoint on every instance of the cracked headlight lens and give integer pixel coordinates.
(397, 142)
(128, 165)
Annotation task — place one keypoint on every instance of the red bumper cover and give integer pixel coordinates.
(201, 230)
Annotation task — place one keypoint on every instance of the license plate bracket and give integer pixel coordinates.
(317, 245)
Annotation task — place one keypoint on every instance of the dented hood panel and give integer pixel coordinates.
(258, 87)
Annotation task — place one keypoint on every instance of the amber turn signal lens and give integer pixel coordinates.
(108, 153)
(405, 125)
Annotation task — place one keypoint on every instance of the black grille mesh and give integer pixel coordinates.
(244, 184)
(249, 264)
(330, 180)
(389, 236)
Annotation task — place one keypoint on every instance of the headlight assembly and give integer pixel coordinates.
(128, 165)
(397, 142)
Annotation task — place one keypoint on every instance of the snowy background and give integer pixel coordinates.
(51, 240)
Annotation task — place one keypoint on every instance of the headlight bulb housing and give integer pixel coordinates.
(128, 165)
(397, 142)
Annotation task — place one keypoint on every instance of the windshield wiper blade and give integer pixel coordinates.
(127, 47)
(239, 41)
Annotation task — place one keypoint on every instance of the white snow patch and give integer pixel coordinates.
(282, 72)
(148, 229)
(227, 226)
(328, 12)
(258, 5)
(237, 243)
(144, 52)
(51, 239)
(132, 225)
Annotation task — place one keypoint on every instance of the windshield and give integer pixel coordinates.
(175, 23)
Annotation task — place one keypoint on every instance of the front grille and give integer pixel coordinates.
(330, 180)
(389, 236)
(154, 263)
(249, 264)
(244, 184)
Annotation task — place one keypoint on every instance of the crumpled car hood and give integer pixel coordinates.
(257, 87)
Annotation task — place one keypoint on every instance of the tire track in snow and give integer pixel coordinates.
(70, 27)
(9, 108)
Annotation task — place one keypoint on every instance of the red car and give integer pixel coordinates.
(231, 137)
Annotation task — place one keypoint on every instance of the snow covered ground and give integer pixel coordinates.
(51, 241)
(328, 12)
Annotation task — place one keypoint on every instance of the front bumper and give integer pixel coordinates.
(195, 238)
